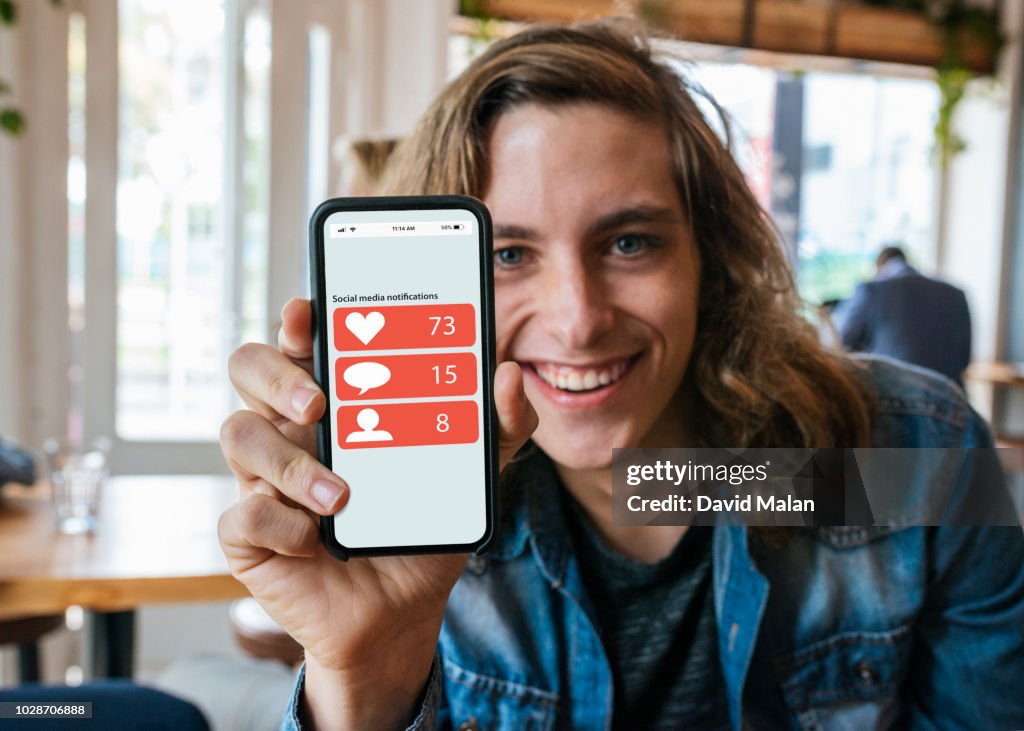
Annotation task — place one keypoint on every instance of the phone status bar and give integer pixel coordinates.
(401, 228)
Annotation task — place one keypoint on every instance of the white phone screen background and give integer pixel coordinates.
(403, 495)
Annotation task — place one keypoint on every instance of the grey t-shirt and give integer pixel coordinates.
(657, 624)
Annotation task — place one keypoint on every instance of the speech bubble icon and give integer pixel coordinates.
(366, 375)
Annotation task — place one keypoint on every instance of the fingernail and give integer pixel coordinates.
(327, 493)
(302, 398)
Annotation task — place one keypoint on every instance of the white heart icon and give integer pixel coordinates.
(364, 328)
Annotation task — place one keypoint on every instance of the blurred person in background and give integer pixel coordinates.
(363, 162)
(905, 315)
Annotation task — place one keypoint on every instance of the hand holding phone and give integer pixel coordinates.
(338, 611)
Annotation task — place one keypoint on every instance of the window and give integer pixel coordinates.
(172, 290)
(198, 140)
(187, 273)
(869, 177)
(76, 221)
(864, 174)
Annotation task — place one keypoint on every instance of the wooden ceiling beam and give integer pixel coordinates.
(869, 33)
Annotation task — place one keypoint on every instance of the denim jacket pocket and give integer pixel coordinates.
(488, 703)
(851, 680)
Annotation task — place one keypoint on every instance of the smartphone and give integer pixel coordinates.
(403, 334)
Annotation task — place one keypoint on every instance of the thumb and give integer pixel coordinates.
(517, 419)
(295, 338)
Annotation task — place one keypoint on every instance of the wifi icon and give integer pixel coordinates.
(351, 228)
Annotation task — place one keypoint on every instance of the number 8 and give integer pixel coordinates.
(442, 423)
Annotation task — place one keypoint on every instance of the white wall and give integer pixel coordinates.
(33, 226)
(973, 220)
(11, 259)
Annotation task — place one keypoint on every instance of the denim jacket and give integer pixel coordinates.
(836, 628)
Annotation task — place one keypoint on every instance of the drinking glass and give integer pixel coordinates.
(77, 474)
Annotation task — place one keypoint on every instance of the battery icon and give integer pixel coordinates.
(459, 226)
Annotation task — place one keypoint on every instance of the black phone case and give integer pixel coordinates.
(321, 357)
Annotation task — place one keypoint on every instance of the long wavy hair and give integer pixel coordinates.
(758, 374)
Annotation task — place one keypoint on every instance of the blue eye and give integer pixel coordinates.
(632, 244)
(510, 256)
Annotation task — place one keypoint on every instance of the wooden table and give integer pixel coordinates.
(1001, 376)
(156, 543)
(997, 374)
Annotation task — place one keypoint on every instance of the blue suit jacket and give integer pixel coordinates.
(910, 317)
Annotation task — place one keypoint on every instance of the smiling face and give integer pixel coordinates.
(596, 277)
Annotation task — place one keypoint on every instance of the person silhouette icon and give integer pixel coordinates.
(368, 419)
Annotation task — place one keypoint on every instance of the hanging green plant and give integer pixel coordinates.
(487, 25)
(12, 121)
(959, 24)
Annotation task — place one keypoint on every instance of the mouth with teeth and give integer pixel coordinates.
(587, 379)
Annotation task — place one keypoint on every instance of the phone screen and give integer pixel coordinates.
(405, 353)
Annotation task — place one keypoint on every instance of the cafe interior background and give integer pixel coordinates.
(159, 160)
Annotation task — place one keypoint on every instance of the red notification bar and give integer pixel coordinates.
(405, 326)
(405, 376)
(408, 425)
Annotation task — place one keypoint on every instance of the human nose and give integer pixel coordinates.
(575, 304)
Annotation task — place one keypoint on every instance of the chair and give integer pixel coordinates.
(260, 636)
(116, 704)
(25, 632)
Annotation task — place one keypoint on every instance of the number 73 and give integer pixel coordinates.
(449, 324)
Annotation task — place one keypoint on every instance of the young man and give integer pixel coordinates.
(642, 300)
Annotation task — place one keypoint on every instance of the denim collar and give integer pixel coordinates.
(530, 511)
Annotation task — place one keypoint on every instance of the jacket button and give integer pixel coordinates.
(470, 725)
(866, 673)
